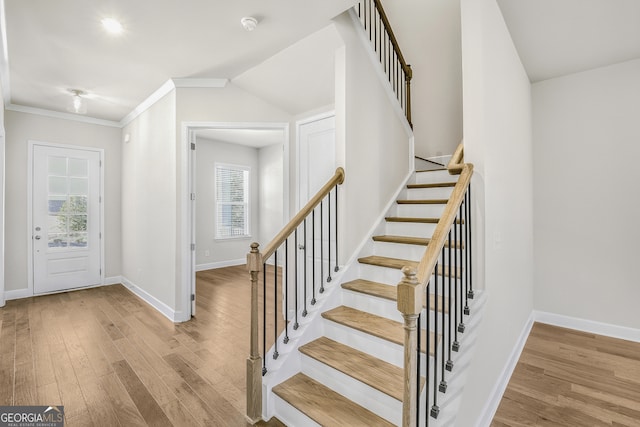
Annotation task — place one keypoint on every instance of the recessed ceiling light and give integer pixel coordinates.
(112, 26)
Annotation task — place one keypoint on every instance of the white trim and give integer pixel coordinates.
(31, 144)
(114, 280)
(200, 83)
(492, 403)
(163, 308)
(220, 264)
(156, 96)
(590, 326)
(60, 115)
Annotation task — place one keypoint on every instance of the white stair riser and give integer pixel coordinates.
(419, 210)
(434, 176)
(410, 229)
(375, 401)
(383, 307)
(392, 276)
(429, 193)
(395, 250)
(377, 347)
(291, 416)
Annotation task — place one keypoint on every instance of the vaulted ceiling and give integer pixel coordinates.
(54, 46)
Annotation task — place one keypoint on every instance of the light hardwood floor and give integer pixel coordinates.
(112, 360)
(570, 378)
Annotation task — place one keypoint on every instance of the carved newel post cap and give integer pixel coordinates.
(410, 274)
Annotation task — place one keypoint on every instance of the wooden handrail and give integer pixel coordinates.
(456, 163)
(336, 179)
(411, 289)
(437, 242)
(387, 26)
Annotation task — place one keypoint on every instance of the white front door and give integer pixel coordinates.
(66, 218)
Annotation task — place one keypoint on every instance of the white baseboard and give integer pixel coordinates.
(220, 264)
(590, 326)
(491, 406)
(18, 294)
(27, 292)
(115, 280)
(163, 308)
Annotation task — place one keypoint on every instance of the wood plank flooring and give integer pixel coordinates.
(110, 359)
(571, 378)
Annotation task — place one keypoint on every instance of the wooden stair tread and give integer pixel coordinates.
(389, 292)
(380, 327)
(323, 405)
(376, 373)
(398, 263)
(422, 201)
(432, 185)
(409, 219)
(409, 240)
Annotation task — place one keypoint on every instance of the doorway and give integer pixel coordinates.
(206, 245)
(65, 217)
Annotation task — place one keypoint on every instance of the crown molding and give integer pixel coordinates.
(61, 115)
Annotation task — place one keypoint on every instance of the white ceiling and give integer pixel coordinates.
(256, 138)
(56, 45)
(560, 37)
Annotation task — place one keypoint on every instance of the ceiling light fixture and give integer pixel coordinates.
(249, 23)
(112, 26)
(77, 104)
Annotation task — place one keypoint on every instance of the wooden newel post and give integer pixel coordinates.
(408, 77)
(410, 305)
(254, 362)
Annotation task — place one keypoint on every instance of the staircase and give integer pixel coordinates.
(352, 375)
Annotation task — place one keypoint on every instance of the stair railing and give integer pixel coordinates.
(448, 259)
(293, 287)
(385, 45)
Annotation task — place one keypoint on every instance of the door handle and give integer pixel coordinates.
(37, 237)
(301, 247)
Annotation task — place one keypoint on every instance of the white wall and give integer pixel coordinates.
(497, 129)
(428, 32)
(149, 201)
(587, 204)
(2, 197)
(371, 142)
(271, 183)
(224, 251)
(22, 127)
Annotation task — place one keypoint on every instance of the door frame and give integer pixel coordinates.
(187, 206)
(29, 235)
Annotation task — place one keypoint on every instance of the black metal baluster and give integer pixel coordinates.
(286, 291)
(453, 275)
(427, 357)
(468, 252)
(264, 318)
(304, 267)
(435, 410)
(418, 364)
(471, 293)
(463, 290)
(321, 290)
(296, 325)
(329, 236)
(336, 268)
(443, 383)
(275, 305)
(313, 256)
(456, 265)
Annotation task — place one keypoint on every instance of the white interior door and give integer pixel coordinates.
(65, 218)
(317, 163)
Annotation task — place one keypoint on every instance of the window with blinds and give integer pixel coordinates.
(232, 201)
